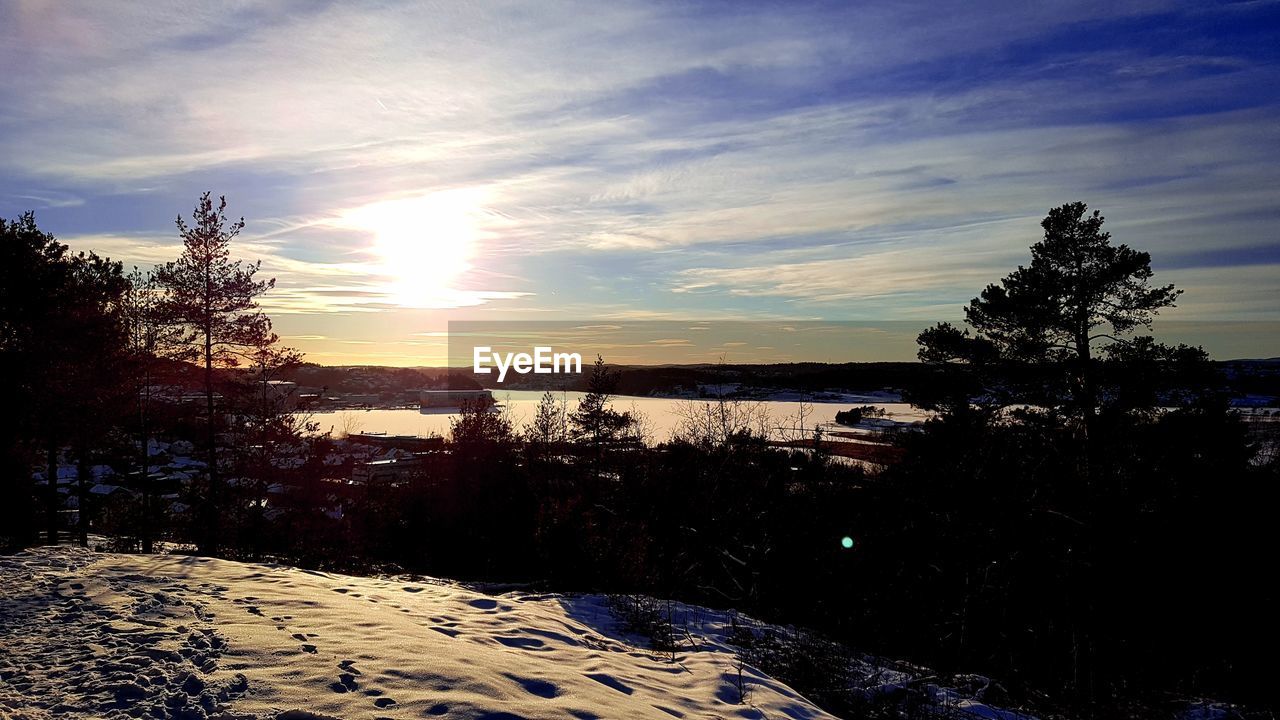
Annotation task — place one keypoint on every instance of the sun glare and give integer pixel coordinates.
(424, 245)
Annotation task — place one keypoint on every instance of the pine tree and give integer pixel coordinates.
(1079, 290)
(549, 422)
(594, 422)
(216, 299)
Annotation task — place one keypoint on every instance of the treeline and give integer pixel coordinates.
(365, 379)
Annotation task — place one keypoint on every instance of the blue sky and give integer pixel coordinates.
(403, 164)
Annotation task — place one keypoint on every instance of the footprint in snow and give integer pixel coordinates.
(346, 683)
(610, 681)
(522, 643)
(533, 686)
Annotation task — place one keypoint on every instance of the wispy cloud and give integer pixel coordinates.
(639, 160)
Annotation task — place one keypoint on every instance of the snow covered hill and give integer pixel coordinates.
(94, 635)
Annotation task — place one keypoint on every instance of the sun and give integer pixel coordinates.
(424, 245)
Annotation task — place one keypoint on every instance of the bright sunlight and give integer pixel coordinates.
(423, 244)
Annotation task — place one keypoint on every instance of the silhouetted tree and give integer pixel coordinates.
(217, 300)
(550, 425)
(270, 438)
(594, 422)
(1067, 451)
(61, 336)
(153, 343)
(480, 428)
(96, 373)
(28, 259)
(1078, 290)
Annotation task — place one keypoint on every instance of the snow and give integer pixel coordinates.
(105, 635)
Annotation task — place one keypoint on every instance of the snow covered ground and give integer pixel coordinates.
(96, 635)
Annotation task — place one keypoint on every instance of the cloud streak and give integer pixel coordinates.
(805, 160)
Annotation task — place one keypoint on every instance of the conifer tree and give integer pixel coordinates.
(216, 299)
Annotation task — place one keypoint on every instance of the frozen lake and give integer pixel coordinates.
(662, 414)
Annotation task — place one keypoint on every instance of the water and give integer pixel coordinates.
(662, 415)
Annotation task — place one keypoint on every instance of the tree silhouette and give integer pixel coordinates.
(594, 422)
(216, 299)
(1070, 454)
(1078, 290)
(62, 338)
(94, 368)
(549, 426)
(152, 344)
(267, 432)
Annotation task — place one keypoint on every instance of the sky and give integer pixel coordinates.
(403, 165)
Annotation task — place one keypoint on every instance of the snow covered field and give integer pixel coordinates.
(95, 635)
